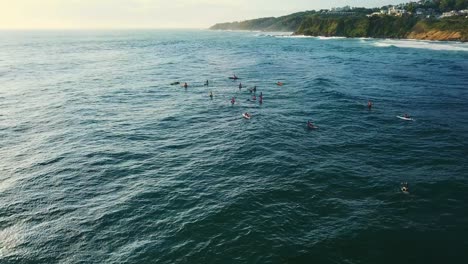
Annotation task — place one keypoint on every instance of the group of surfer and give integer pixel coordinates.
(246, 115)
(310, 125)
(233, 99)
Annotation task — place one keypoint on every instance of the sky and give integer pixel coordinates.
(96, 14)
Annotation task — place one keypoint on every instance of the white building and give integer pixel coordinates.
(393, 11)
(449, 14)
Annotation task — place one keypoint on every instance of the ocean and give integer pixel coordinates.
(102, 160)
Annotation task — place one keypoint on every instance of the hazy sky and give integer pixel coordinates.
(16, 14)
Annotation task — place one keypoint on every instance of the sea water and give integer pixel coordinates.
(103, 161)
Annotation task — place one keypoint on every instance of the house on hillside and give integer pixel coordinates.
(395, 11)
(450, 14)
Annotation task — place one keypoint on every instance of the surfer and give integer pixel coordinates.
(233, 100)
(310, 125)
(240, 86)
(185, 85)
(407, 116)
(254, 98)
(207, 83)
(211, 94)
(279, 83)
(255, 89)
(369, 104)
(405, 187)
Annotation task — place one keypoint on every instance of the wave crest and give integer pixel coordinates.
(422, 44)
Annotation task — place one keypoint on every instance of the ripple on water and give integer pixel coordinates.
(104, 161)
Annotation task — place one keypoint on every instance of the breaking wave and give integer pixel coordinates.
(422, 44)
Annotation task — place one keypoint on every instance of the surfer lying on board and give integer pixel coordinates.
(310, 125)
(407, 116)
(405, 187)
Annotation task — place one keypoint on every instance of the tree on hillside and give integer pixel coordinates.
(411, 7)
(431, 4)
(461, 4)
(447, 5)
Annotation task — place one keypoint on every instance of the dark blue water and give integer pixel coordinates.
(103, 161)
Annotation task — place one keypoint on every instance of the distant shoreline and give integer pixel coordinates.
(293, 34)
(421, 23)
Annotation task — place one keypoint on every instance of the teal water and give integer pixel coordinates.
(103, 161)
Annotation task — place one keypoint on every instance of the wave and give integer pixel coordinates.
(274, 34)
(329, 38)
(316, 37)
(422, 44)
(294, 36)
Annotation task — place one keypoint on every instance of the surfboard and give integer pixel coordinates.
(406, 118)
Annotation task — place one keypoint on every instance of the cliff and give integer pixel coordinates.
(444, 29)
(312, 23)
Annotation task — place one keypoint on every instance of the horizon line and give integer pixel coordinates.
(101, 28)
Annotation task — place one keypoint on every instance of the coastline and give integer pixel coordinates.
(411, 36)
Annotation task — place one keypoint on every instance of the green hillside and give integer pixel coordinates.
(356, 23)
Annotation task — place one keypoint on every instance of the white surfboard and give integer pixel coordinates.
(406, 118)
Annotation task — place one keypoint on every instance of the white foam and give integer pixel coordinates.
(294, 36)
(422, 44)
(304, 36)
(329, 38)
(275, 34)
